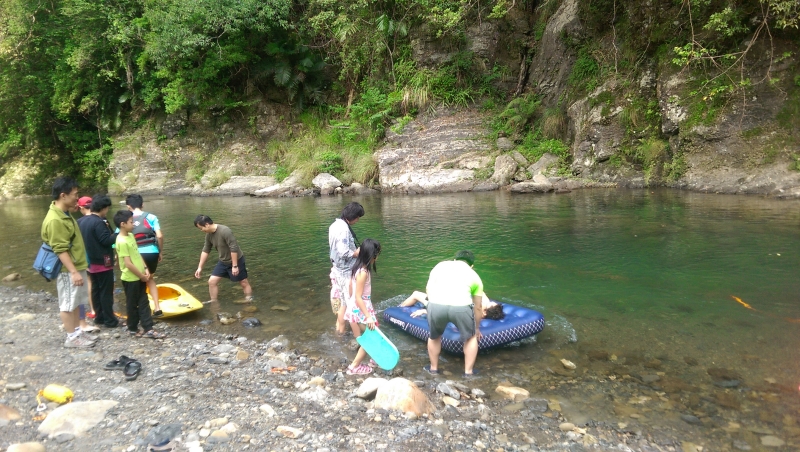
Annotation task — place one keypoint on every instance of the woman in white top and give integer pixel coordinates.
(343, 253)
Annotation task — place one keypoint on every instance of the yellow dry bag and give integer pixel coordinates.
(57, 393)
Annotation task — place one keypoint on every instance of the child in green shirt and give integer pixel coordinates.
(134, 278)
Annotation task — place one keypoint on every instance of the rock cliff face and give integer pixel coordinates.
(200, 154)
(438, 154)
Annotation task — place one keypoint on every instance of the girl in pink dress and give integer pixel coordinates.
(359, 311)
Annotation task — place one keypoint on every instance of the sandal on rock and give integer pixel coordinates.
(118, 364)
(361, 369)
(158, 314)
(372, 363)
(132, 369)
(152, 334)
(136, 333)
(428, 369)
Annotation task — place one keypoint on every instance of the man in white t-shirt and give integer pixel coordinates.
(454, 296)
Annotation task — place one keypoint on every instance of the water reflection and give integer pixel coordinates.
(635, 275)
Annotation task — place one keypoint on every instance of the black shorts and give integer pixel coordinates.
(151, 261)
(226, 270)
(463, 317)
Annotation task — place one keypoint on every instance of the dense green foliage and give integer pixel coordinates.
(75, 72)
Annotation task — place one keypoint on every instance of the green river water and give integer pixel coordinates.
(647, 276)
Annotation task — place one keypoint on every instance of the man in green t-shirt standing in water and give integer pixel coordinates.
(231, 263)
(454, 295)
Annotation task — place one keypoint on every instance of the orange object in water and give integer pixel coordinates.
(739, 300)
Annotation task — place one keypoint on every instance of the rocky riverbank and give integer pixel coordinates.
(205, 390)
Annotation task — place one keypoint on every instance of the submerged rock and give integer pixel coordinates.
(251, 322)
(719, 373)
(512, 392)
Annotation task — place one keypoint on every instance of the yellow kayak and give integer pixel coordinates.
(174, 300)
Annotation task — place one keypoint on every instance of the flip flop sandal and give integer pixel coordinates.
(361, 369)
(118, 364)
(131, 370)
(152, 334)
(428, 369)
(372, 363)
(166, 446)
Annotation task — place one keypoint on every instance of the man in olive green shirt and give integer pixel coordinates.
(61, 232)
(231, 263)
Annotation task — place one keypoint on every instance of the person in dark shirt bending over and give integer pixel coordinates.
(231, 263)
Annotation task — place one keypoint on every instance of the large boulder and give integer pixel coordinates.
(289, 186)
(75, 418)
(370, 387)
(544, 165)
(326, 182)
(531, 187)
(402, 395)
(504, 169)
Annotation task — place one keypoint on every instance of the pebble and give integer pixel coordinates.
(289, 432)
(218, 436)
(230, 427)
(266, 408)
(741, 445)
(537, 405)
(216, 360)
(204, 432)
(120, 391)
(31, 358)
(690, 419)
(445, 389)
(64, 437)
(568, 364)
(14, 386)
(223, 348)
(216, 423)
(447, 400)
(26, 447)
(566, 426)
(772, 441)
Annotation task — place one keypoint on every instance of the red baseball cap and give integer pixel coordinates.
(85, 201)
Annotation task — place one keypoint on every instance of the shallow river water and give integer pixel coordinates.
(636, 286)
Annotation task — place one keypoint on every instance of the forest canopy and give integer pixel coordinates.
(72, 72)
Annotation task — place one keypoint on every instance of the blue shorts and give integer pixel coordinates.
(226, 270)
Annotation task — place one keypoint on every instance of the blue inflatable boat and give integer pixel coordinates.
(518, 324)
